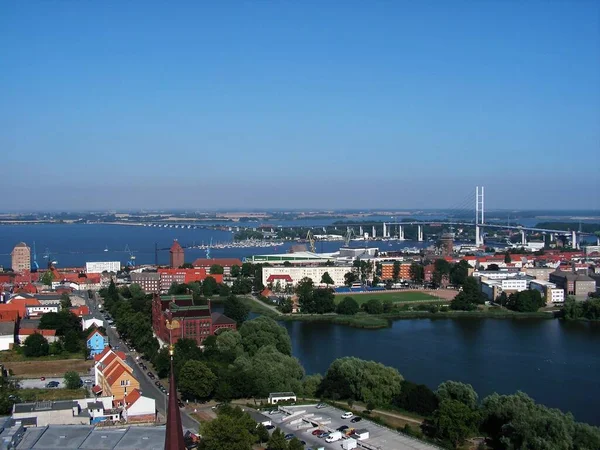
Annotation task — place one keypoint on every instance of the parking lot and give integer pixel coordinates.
(37, 383)
(305, 419)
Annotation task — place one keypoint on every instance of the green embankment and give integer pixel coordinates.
(394, 296)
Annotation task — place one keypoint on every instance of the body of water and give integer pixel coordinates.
(556, 363)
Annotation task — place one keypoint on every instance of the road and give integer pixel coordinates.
(147, 385)
(37, 383)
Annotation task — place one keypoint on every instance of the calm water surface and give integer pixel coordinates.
(556, 363)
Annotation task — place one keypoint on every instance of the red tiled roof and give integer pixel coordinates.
(97, 389)
(279, 277)
(131, 398)
(93, 332)
(30, 331)
(266, 292)
(121, 355)
(27, 289)
(10, 315)
(80, 310)
(176, 247)
(223, 262)
(115, 374)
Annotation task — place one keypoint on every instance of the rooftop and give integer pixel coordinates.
(44, 406)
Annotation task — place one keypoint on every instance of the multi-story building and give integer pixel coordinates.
(225, 263)
(315, 273)
(176, 255)
(170, 276)
(113, 375)
(194, 321)
(21, 257)
(573, 284)
(102, 266)
(148, 281)
(549, 290)
(387, 271)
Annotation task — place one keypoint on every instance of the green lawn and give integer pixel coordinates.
(394, 296)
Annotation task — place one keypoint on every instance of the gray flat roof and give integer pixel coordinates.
(44, 406)
(86, 437)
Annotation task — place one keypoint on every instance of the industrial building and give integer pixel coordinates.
(573, 284)
(102, 266)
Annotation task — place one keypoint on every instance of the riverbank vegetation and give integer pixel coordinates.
(586, 310)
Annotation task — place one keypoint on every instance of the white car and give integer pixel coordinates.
(347, 415)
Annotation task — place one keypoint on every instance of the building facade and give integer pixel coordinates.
(102, 266)
(170, 276)
(574, 285)
(387, 271)
(148, 281)
(225, 263)
(315, 273)
(96, 342)
(176, 255)
(21, 257)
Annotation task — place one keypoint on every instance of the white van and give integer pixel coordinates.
(335, 436)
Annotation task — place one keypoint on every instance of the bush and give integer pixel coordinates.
(36, 345)
(348, 306)
(72, 380)
(373, 306)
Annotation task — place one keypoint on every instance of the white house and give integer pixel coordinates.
(88, 321)
(7, 335)
(40, 310)
(138, 408)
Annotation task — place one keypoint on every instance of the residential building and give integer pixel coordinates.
(575, 285)
(96, 342)
(21, 258)
(80, 311)
(170, 276)
(539, 273)
(315, 273)
(387, 271)
(195, 321)
(113, 376)
(176, 255)
(553, 294)
(7, 335)
(102, 266)
(148, 281)
(137, 408)
(89, 321)
(41, 309)
(26, 331)
(225, 263)
(492, 288)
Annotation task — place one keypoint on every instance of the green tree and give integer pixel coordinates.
(230, 343)
(186, 265)
(469, 297)
(65, 301)
(225, 433)
(47, 278)
(242, 286)
(196, 381)
(326, 279)
(305, 291)
(271, 371)
(417, 398)
(507, 258)
(373, 306)
(216, 269)
(525, 301)
(72, 341)
(224, 290)
(235, 309)
(72, 380)
(453, 422)
(417, 273)
(441, 271)
(209, 286)
(35, 345)
(310, 385)
(356, 379)
(295, 444)
(235, 271)
(461, 392)
(350, 278)
(348, 306)
(492, 267)
(286, 306)
(459, 273)
(323, 301)
(262, 433)
(264, 331)
(277, 441)
(396, 271)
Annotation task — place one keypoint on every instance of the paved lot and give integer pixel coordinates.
(329, 419)
(36, 383)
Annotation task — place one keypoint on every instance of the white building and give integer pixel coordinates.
(7, 335)
(549, 290)
(40, 310)
(314, 273)
(88, 321)
(102, 266)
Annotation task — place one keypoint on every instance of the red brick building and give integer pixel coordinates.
(226, 263)
(195, 321)
(176, 255)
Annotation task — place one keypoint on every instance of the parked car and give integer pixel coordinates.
(317, 432)
(321, 405)
(323, 435)
(356, 419)
(151, 375)
(343, 427)
(289, 437)
(89, 382)
(157, 383)
(180, 404)
(270, 427)
(347, 415)
(52, 384)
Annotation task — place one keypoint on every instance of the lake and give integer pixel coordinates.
(556, 363)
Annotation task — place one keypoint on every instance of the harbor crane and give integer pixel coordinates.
(311, 241)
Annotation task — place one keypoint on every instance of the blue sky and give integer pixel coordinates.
(320, 104)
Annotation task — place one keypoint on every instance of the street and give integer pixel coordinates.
(147, 385)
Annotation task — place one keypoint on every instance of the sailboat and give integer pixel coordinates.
(106, 248)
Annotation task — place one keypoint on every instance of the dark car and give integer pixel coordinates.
(270, 427)
(343, 428)
(151, 375)
(289, 436)
(323, 435)
(180, 404)
(356, 419)
(52, 384)
(317, 432)
(158, 383)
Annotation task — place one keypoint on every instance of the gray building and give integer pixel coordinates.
(575, 285)
(149, 281)
(65, 412)
(75, 437)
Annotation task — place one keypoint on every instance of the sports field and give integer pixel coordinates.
(394, 296)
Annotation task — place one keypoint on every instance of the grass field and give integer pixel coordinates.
(48, 368)
(394, 296)
(32, 395)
